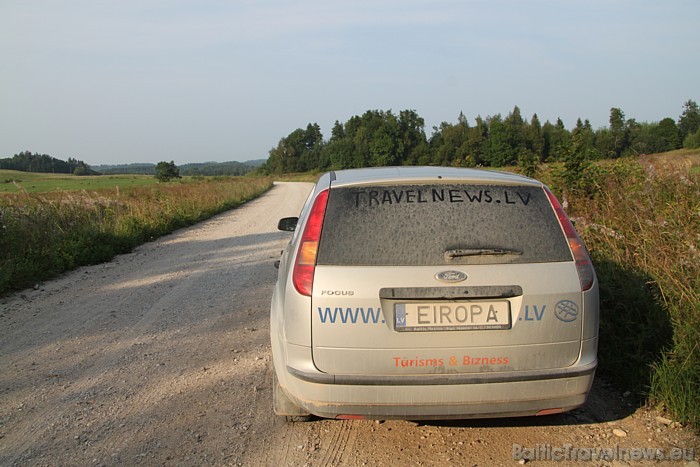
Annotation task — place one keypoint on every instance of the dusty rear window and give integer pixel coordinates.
(414, 225)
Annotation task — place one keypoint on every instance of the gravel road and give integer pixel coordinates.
(162, 357)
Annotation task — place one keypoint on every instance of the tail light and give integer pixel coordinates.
(586, 274)
(303, 275)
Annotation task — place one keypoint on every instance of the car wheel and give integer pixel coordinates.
(297, 418)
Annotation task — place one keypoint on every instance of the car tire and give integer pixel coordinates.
(297, 418)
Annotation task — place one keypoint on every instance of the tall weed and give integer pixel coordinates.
(643, 231)
(42, 235)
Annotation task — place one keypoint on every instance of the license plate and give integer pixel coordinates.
(452, 316)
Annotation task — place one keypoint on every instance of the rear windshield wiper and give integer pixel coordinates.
(452, 254)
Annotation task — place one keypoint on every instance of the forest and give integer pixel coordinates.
(383, 138)
(43, 163)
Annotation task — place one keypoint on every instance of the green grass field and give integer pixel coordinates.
(73, 223)
(12, 181)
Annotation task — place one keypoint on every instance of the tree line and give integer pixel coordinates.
(43, 163)
(230, 168)
(382, 138)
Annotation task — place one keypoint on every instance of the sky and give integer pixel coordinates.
(126, 81)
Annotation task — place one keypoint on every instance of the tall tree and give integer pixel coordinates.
(633, 132)
(516, 128)
(448, 143)
(166, 171)
(557, 141)
(338, 131)
(578, 168)
(649, 138)
(412, 135)
(618, 132)
(689, 121)
(311, 158)
(339, 150)
(534, 139)
(476, 138)
(668, 132)
(288, 155)
(498, 148)
(583, 136)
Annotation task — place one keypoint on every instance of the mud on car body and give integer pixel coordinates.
(430, 292)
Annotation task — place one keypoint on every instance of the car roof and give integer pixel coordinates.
(393, 175)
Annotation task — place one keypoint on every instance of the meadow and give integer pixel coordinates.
(44, 233)
(26, 182)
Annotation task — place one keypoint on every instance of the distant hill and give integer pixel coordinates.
(219, 168)
(255, 162)
(141, 169)
(198, 168)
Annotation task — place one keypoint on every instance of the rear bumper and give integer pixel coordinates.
(519, 408)
(440, 396)
(445, 379)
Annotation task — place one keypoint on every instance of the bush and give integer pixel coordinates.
(527, 163)
(166, 171)
(692, 141)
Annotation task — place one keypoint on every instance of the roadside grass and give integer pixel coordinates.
(310, 177)
(641, 223)
(44, 234)
(679, 160)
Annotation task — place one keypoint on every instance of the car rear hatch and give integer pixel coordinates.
(439, 276)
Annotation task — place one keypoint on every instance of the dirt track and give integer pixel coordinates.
(162, 357)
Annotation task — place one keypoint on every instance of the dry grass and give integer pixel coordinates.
(44, 234)
(642, 227)
(679, 162)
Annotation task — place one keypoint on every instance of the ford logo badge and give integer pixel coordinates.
(451, 276)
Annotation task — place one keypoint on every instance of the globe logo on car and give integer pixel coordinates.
(566, 310)
(451, 276)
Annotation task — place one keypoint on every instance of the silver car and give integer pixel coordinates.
(432, 293)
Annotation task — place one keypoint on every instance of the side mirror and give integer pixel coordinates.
(288, 224)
